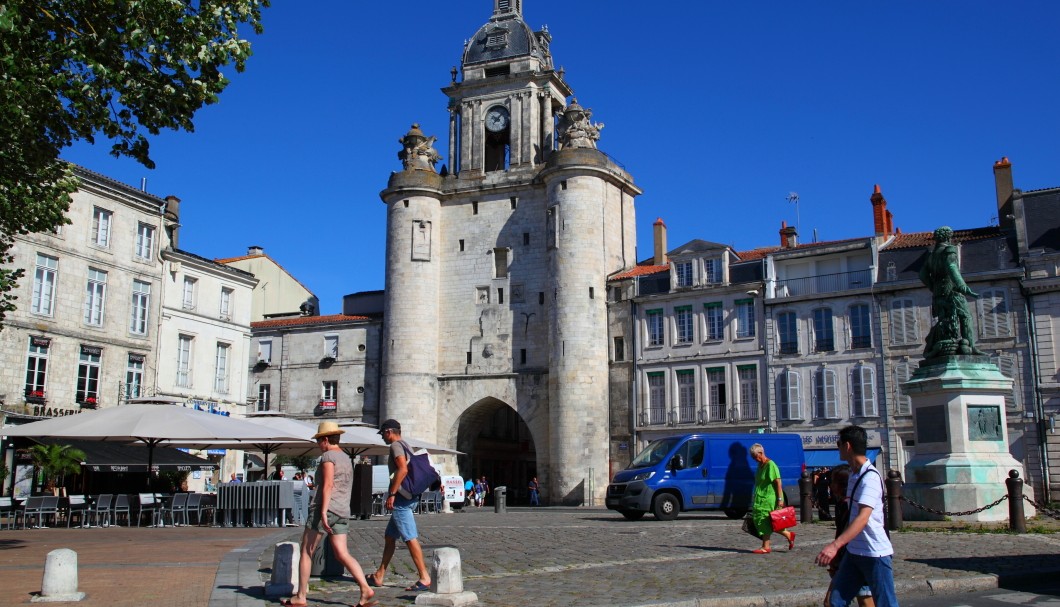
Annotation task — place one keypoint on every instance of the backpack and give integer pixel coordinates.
(421, 475)
(883, 496)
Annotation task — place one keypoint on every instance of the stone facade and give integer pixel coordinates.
(88, 305)
(316, 367)
(495, 298)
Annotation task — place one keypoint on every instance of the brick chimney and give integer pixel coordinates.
(1003, 187)
(882, 219)
(789, 236)
(660, 243)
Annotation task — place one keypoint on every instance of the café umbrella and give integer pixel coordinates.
(153, 422)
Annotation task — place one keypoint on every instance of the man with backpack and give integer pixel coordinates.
(402, 524)
(869, 550)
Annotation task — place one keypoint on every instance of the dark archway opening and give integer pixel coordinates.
(497, 444)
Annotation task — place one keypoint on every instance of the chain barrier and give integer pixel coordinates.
(1042, 508)
(943, 513)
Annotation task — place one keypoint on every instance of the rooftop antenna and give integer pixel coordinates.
(793, 197)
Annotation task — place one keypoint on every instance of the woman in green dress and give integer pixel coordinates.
(768, 497)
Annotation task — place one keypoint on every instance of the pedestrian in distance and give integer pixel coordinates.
(768, 496)
(533, 488)
(485, 490)
(402, 525)
(821, 494)
(480, 493)
(839, 477)
(869, 550)
(469, 492)
(329, 514)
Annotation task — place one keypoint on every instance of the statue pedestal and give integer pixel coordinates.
(961, 456)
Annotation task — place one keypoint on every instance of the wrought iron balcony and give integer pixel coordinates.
(824, 283)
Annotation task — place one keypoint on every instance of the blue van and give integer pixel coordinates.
(701, 472)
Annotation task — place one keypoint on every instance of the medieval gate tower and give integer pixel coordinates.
(496, 270)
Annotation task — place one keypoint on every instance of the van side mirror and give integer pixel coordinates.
(677, 462)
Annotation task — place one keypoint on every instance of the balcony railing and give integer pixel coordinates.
(824, 283)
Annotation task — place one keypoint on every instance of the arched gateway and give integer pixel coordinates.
(495, 301)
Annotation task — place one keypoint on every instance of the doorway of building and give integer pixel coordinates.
(497, 444)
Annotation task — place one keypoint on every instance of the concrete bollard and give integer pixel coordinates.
(447, 581)
(285, 560)
(60, 578)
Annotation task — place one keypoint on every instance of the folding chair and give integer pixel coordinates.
(177, 506)
(148, 503)
(31, 507)
(77, 505)
(121, 505)
(7, 512)
(100, 511)
(197, 504)
(50, 507)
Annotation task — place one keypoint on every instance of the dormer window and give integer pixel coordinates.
(497, 40)
(712, 271)
(683, 273)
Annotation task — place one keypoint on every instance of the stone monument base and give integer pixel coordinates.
(959, 483)
(962, 454)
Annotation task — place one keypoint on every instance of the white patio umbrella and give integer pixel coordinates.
(163, 422)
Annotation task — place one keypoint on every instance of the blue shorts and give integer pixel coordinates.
(402, 525)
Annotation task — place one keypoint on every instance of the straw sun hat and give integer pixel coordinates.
(327, 429)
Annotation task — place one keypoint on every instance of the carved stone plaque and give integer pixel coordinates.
(931, 424)
(518, 295)
(421, 240)
(984, 423)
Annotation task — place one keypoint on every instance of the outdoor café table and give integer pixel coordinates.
(258, 504)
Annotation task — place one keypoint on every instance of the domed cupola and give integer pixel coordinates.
(506, 45)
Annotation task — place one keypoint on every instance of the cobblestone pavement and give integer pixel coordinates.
(553, 557)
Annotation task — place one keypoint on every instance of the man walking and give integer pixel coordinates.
(402, 524)
(533, 488)
(869, 550)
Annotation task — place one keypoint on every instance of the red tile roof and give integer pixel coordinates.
(295, 321)
(926, 239)
(641, 270)
(240, 258)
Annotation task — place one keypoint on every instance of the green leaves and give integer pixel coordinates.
(126, 69)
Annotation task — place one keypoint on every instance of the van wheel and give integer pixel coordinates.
(632, 515)
(735, 512)
(665, 507)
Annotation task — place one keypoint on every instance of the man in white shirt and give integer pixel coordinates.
(869, 550)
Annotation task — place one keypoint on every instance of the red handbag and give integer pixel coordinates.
(783, 518)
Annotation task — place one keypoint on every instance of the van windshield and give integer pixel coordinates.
(654, 453)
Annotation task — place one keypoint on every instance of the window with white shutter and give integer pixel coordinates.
(825, 396)
(903, 403)
(863, 391)
(994, 317)
(789, 398)
(1009, 367)
(904, 326)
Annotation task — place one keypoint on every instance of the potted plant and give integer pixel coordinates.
(55, 462)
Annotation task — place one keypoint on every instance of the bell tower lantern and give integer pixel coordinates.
(502, 107)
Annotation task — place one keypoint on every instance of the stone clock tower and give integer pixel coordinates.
(495, 339)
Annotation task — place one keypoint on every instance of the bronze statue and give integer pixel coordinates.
(953, 332)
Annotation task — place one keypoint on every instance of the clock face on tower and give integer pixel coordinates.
(497, 119)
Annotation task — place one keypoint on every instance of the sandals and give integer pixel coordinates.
(289, 603)
(370, 578)
(418, 587)
(791, 542)
(762, 551)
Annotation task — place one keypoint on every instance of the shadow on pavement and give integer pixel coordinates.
(1007, 567)
(12, 544)
(716, 549)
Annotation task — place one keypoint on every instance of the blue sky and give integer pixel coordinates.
(717, 109)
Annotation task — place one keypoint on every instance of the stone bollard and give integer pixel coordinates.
(60, 578)
(285, 560)
(805, 497)
(894, 501)
(447, 582)
(1016, 521)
